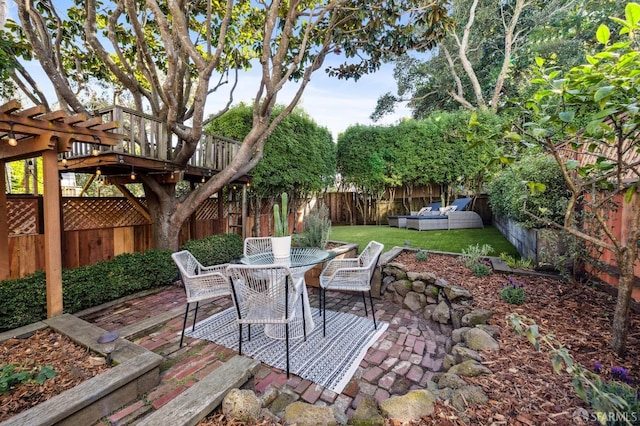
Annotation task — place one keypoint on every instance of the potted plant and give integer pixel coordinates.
(281, 240)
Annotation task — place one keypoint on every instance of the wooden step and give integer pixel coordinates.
(195, 403)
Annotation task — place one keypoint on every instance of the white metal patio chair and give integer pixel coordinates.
(353, 274)
(200, 282)
(266, 294)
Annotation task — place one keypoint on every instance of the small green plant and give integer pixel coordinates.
(422, 255)
(513, 292)
(281, 217)
(614, 402)
(472, 254)
(481, 270)
(12, 375)
(215, 249)
(514, 263)
(317, 227)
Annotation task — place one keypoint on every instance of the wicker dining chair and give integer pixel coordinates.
(255, 245)
(351, 274)
(265, 294)
(200, 282)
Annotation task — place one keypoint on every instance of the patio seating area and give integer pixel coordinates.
(405, 357)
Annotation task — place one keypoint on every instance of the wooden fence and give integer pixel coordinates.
(95, 229)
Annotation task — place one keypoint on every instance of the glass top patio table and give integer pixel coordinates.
(300, 260)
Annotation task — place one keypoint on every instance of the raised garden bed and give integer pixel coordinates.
(136, 371)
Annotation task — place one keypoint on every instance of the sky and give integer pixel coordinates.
(330, 102)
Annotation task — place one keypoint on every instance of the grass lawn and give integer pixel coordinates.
(451, 241)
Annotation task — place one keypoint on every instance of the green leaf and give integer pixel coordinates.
(567, 116)
(603, 34)
(473, 120)
(513, 136)
(539, 61)
(603, 92)
(628, 195)
(632, 13)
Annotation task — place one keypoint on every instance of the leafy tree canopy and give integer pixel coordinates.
(299, 155)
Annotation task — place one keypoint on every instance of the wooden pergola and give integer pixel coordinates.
(34, 132)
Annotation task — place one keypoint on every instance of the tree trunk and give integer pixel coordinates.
(165, 231)
(623, 304)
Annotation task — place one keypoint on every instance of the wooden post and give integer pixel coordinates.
(244, 211)
(4, 225)
(52, 232)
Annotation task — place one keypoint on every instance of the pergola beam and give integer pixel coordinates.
(46, 134)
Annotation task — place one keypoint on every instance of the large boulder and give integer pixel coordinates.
(367, 414)
(402, 287)
(462, 353)
(441, 313)
(414, 301)
(479, 316)
(410, 407)
(452, 381)
(465, 396)
(478, 339)
(456, 292)
(303, 414)
(469, 368)
(427, 277)
(242, 406)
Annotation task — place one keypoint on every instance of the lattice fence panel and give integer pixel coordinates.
(208, 210)
(92, 213)
(22, 216)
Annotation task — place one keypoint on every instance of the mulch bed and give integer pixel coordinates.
(524, 389)
(72, 363)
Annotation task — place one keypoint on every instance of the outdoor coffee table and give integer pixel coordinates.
(299, 262)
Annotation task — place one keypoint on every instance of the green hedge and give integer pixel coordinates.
(23, 301)
(507, 191)
(216, 249)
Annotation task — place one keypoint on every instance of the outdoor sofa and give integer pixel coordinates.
(400, 221)
(453, 216)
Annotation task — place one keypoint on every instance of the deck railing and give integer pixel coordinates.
(146, 136)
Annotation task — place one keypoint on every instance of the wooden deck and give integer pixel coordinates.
(146, 146)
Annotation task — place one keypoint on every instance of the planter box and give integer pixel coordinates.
(137, 372)
(345, 250)
(542, 246)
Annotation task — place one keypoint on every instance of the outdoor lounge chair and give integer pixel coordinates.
(200, 282)
(400, 221)
(453, 216)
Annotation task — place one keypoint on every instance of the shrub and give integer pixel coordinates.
(317, 227)
(422, 255)
(216, 249)
(514, 263)
(481, 270)
(472, 254)
(513, 292)
(508, 192)
(24, 300)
